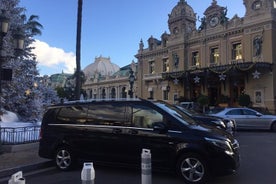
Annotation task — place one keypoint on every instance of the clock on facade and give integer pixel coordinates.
(214, 21)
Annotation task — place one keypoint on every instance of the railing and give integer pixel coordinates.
(19, 135)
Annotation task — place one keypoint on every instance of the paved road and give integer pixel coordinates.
(258, 165)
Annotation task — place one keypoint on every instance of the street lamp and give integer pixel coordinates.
(18, 46)
(18, 40)
(131, 82)
(4, 25)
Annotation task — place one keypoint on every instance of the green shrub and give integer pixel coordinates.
(203, 100)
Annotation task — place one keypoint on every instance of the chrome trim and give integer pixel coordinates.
(109, 126)
(101, 126)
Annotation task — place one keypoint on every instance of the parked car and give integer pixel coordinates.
(223, 123)
(116, 131)
(187, 105)
(247, 118)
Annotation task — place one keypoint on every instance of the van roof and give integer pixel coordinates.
(97, 100)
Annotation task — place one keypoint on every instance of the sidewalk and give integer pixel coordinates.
(18, 157)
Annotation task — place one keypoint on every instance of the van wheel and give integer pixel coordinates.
(192, 168)
(65, 159)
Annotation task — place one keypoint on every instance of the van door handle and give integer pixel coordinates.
(117, 131)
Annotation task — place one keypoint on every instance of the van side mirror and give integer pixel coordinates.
(160, 127)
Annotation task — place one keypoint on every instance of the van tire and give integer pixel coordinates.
(192, 168)
(64, 158)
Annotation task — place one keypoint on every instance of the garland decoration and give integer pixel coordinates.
(221, 72)
(244, 69)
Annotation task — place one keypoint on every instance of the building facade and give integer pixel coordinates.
(222, 58)
(106, 80)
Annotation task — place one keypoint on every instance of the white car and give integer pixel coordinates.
(247, 118)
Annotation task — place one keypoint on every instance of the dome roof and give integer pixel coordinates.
(123, 72)
(59, 77)
(102, 66)
(182, 9)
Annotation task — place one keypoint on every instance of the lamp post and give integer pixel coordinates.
(4, 26)
(18, 39)
(131, 82)
(18, 45)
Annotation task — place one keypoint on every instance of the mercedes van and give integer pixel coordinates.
(115, 132)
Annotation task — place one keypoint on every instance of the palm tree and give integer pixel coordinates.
(78, 49)
(32, 26)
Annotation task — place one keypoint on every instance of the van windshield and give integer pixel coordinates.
(175, 112)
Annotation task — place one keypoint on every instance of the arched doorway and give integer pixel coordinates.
(103, 93)
(124, 93)
(113, 93)
(237, 87)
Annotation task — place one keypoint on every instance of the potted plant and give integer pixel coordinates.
(203, 100)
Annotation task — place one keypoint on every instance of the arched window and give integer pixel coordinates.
(113, 93)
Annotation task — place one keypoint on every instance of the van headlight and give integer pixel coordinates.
(220, 123)
(222, 144)
(230, 124)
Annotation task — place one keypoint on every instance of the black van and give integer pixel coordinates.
(116, 131)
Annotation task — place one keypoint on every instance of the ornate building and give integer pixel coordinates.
(58, 80)
(222, 58)
(106, 80)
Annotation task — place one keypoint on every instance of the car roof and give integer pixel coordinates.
(223, 109)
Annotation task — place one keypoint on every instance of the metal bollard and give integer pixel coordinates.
(146, 166)
(17, 178)
(88, 173)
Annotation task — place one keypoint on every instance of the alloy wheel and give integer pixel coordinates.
(192, 169)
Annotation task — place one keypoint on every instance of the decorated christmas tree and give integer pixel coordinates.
(26, 93)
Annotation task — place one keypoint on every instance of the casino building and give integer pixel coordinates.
(222, 58)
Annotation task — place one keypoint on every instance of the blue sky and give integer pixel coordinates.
(110, 28)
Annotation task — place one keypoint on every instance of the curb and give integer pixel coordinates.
(19, 147)
(25, 168)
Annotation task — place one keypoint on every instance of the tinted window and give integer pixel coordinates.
(176, 113)
(50, 116)
(249, 112)
(144, 117)
(113, 114)
(72, 114)
(234, 112)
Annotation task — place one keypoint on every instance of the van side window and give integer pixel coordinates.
(112, 114)
(50, 116)
(144, 117)
(72, 114)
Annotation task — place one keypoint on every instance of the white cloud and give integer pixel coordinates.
(52, 57)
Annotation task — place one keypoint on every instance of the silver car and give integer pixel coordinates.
(247, 118)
